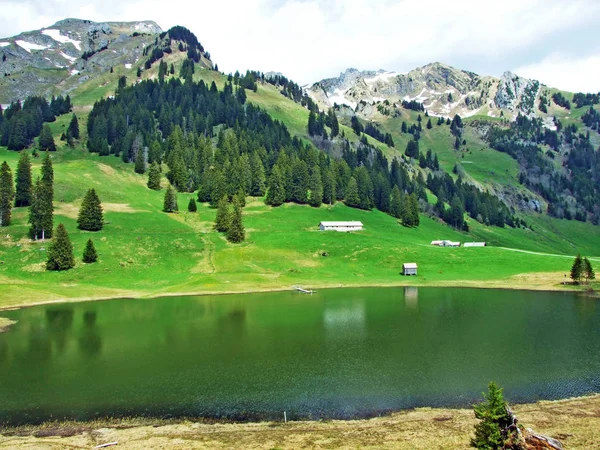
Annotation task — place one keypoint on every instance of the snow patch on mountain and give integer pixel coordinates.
(4, 44)
(30, 46)
(55, 34)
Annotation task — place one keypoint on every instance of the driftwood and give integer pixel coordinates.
(518, 438)
(109, 444)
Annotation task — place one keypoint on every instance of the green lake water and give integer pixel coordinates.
(336, 353)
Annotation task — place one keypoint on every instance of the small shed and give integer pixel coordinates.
(409, 269)
(341, 226)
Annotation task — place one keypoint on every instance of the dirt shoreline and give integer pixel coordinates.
(575, 422)
(475, 284)
(5, 324)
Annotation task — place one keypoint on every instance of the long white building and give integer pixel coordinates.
(341, 226)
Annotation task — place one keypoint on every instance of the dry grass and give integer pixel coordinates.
(576, 422)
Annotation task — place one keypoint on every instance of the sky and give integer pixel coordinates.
(554, 41)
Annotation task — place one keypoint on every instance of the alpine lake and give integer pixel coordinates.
(338, 353)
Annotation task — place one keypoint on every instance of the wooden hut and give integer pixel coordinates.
(409, 269)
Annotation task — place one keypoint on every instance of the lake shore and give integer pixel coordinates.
(5, 324)
(575, 422)
(525, 282)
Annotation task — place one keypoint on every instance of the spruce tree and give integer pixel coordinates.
(154, 177)
(276, 192)
(588, 270)
(316, 188)
(90, 214)
(577, 269)
(48, 174)
(7, 194)
(89, 254)
(192, 205)
(396, 203)
(329, 187)
(140, 162)
(60, 253)
(235, 232)
(24, 184)
(73, 129)
(41, 212)
(170, 203)
(257, 171)
(223, 217)
(46, 141)
(493, 418)
(352, 199)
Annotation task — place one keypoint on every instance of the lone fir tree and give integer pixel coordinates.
(192, 205)
(154, 177)
(7, 194)
(236, 232)
(170, 203)
(588, 270)
(89, 254)
(46, 141)
(494, 418)
(24, 183)
(577, 269)
(223, 217)
(90, 216)
(41, 212)
(60, 253)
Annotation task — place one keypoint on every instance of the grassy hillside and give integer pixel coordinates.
(145, 252)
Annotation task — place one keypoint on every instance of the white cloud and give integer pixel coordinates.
(311, 39)
(566, 73)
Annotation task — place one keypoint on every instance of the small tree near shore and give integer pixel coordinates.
(89, 254)
(577, 269)
(91, 217)
(494, 419)
(60, 253)
(588, 270)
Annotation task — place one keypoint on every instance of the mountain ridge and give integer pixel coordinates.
(442, 89)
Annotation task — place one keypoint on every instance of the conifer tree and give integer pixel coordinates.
(577, 269)
(329, 187)
(235, 232)
(48, 174)
(396, 203)
(414, 210)
(429, 126)
(46, 141)
(140, 162)
(41, 212)
(154, 177)
(258, 183)
(493, 419)
(352, 198)
(223, 217)
(276, 192)
(7, 194)
(89, 254)
(316, 188)
(192, 205)
(90, 214)
(24, 184)
(588, 270)
(60, 253)
(73, 129)
(170, 203)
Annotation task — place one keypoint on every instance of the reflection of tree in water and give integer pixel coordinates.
(90, 341)
(3, 351)
(59, 323)
(40, 347)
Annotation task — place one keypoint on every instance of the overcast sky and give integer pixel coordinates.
(555, 41)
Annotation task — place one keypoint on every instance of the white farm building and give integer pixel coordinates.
(341, 226)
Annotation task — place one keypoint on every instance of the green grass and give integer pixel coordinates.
(145, 252)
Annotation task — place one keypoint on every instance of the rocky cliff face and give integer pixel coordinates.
(54, 59)
(442, 89)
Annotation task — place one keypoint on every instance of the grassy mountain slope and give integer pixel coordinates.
(145, 252)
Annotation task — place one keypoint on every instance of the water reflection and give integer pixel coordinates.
(90, 340)
(411, 297)
(59, 324)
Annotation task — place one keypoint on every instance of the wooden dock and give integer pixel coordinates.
(304, 291)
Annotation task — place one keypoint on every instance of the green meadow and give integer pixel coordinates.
(145, 252)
